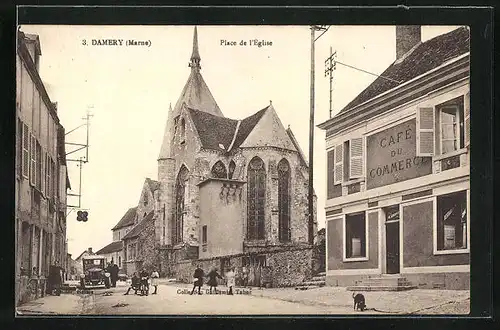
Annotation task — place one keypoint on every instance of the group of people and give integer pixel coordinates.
(141, 281)
(213, 275)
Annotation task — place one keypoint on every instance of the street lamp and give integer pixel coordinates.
(314, 28)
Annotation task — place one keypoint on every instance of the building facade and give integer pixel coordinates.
(232, 196)
(41, 177)
(398, 170)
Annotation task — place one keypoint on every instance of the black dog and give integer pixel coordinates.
(359, 301)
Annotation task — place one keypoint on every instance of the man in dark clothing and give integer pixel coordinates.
(55, 279)
(198, 276)
(136, 283)
(144, 282)
(113, 270)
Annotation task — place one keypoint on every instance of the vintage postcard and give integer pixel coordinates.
(242, 170)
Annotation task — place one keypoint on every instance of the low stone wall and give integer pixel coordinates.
(287, 268)
(290, 268)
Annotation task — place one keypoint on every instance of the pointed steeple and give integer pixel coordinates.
(195, 56)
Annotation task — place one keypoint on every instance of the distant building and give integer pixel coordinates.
(398, 160)
(229, 193)
(78, 261)
(114, 251)
(41, 177)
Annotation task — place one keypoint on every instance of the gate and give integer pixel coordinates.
(255, 265)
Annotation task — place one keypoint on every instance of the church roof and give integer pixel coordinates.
(139, 227)
(153, 184)
(111, 247)
(425, 57)
(194, 95)
(127, 219)
(297, 146)
(197, 95)
(226, 129)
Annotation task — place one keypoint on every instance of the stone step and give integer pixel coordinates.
(317, 279)
(321, 274)
(386, 280)
(308, 287)
(311, 283)
(380, 288)
(385, 283)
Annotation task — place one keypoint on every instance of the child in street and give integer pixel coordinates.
(135, 285)
(154, 280)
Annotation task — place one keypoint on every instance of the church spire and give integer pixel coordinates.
(195, 56)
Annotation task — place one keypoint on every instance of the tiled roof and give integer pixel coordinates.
(214, 130)
(112, 247)
(425, 57)
(127, 219)
(153, 184)
(139, 227)
(296, 145)
(246, 127)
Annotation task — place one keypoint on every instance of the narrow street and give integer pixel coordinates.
(175, 299)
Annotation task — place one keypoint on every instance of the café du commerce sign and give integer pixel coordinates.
(391, 156)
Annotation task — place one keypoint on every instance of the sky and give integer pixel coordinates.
(128, 90)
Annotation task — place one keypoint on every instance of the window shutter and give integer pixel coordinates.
(330, 167)
(356, 158)
(425, 131)
(25, 152)
(467, 119)
(42, 174)
(33, 160)
(339, 171)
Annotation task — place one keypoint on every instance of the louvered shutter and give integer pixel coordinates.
(425, 131)
(339, 159)
(467, 119)
(42, 172)
(356, 158)
(330, 166)
(26, 154)
(33, 161)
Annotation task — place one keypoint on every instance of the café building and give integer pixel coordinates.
(398, 171)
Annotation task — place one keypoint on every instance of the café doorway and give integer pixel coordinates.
(392, 239)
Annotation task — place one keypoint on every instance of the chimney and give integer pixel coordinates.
(90, 250)
(407, 36)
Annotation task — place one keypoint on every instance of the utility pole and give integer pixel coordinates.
(311, 136)
(330, 65)
(80, 160)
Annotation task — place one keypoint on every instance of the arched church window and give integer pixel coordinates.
(256, 199)
(182, 132)
(284, 200)
(219, 170)
(232, 167)
(180, 188)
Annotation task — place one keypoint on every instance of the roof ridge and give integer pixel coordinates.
(234, 136)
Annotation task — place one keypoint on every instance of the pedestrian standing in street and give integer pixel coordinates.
(198, 279)
(114, 273)
(230, 279)
(244, 276)
(212, 279)
(154, 280)
(144, 282)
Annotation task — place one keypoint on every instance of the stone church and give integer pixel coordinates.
(229, 193)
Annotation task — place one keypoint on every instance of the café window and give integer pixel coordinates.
(348, 160)
(444, 128)
(451, 222)
(355, 236)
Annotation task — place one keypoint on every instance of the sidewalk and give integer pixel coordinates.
(417, 301)
(63, 304)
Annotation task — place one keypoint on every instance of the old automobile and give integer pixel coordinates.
(94, 272)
